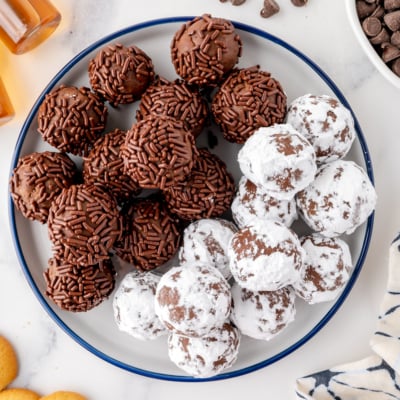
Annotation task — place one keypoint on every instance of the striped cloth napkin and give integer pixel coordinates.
(376, 377)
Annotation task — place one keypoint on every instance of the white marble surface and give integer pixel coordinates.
(49, 359)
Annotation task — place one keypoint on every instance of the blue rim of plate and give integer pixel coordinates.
(182, 378)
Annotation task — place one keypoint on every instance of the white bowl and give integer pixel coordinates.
(367, 46)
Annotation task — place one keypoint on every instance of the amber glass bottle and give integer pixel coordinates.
(6, 108)
(24, 24)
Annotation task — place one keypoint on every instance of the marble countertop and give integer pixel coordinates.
(49, 359)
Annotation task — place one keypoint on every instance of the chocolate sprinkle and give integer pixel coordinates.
(37, 180)
(207, 193)
(77, 288)
(158, 152)
(248, 99)
(71, 119)
(176, 100)
(205, 49)
(120, 74)
(104, 166)
(151, 235)
(83, 224)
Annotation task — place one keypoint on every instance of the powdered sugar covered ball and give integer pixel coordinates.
(326, 123)
(193, 299)
(265, 256)
(339, 200)
(208, 355)
(206, 241)
(279, 159)
(252, 203)
(326, 268)
(133, 306)
(264, 314)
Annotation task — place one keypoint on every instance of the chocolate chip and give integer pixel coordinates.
(392, 20)
(381, 37)
(299, 3)
(389, 52)
(372, 26)
(395, 38)
(379, 12)
(396, 66)
(364, 9)
(237, 2)
(270, 8)
(391, 4)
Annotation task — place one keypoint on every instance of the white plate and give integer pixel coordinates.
(96, 330)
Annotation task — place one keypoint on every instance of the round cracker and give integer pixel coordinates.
(8, 363)
(63, 395)
(18, 394)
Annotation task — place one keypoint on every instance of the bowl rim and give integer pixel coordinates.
(165, 376)
(377, 61)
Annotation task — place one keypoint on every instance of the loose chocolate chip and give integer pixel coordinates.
(237, 2)
(270, 8)
(392, 20)
(372, 26)
(389, 52)
(299, 3)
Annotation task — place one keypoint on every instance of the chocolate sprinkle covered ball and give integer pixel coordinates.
(79, 288)
(205, 49)
(83, 224)
(71, 119)
(247, 100)
(151, 235)
(104, 166)
(120, 74)
(177, 100)
(159, 152)
(37, 180)
(207, 193)
(208, 355)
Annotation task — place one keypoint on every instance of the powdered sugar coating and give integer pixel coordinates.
(264, 314)
(325, 122)
(279, 159)
(193, 299)
(265, 256)
(252, 203)
(208, 355)
(339, 200)
(326, 268)
(206, 241)
(133, 306)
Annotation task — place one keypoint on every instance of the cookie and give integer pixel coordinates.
(63, 395)
(19, 394)
(8, 363)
